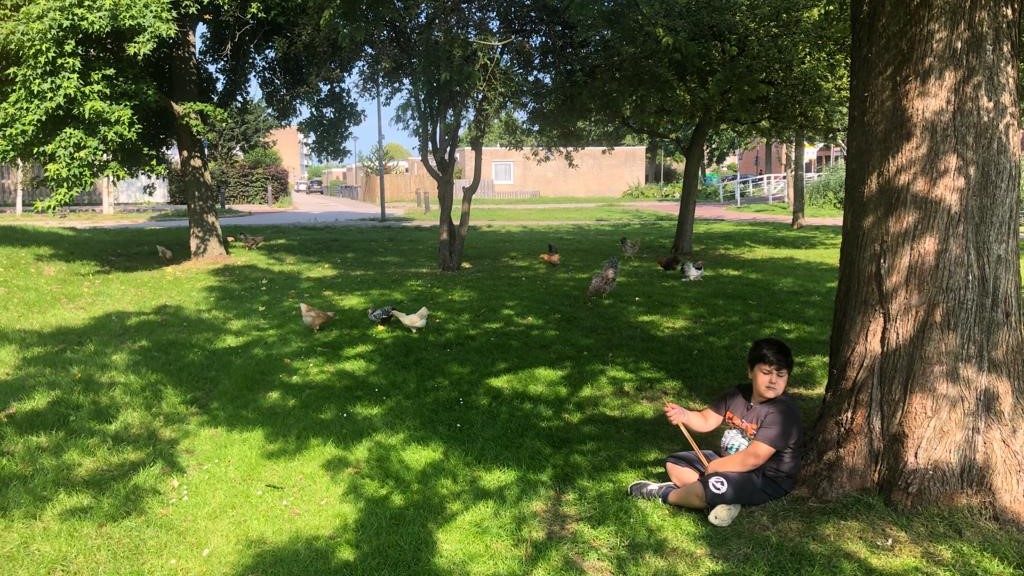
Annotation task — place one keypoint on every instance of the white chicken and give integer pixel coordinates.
(413, 321)
(166, 255)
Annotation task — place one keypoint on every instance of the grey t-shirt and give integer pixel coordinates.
(775, 422)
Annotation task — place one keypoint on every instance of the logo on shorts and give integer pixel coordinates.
(718, 485)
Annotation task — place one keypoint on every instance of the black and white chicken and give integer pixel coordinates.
(692, 271)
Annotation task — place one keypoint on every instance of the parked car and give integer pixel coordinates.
(316, 186)
(301, 186)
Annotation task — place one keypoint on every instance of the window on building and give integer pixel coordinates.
(501, 172)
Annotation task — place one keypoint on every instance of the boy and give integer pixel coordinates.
(760, 449)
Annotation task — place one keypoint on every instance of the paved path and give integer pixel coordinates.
(717, 211)
(318, 209)
(306, 209)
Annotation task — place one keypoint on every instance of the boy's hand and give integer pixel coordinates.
(676, 414)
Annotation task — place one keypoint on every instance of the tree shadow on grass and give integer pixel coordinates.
(505, 432)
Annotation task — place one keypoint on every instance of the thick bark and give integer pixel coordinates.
(796, 181)
(682, 244)
(925, 394)
(205, 239)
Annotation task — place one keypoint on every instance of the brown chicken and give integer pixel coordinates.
(552, 257)
(166, 255)
(251, 242)
(604, 281)
(314, 318)
(669, 262)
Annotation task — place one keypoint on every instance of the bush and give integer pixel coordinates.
(829, 189)
(670, 191)
(652, 191)
(242, 184)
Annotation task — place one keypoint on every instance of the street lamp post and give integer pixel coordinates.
(355, 158)
(380, 156)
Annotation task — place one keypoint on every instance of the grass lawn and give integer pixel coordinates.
(783, 209)
(181, 420)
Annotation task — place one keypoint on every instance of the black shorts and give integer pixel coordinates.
(746, 488)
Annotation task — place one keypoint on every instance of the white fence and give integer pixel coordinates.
(771, 187)
(140, 190)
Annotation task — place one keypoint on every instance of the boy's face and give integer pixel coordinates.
(769, 382)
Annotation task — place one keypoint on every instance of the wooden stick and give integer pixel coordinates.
(693, 444)
(696, 449)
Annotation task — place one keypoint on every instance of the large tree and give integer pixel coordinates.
(925, 395)
(95, 88)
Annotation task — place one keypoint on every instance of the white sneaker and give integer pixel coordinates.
(723, 514)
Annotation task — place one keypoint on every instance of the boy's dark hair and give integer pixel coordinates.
(772, 352)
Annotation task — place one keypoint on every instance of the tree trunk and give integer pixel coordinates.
(925, 397)
(19, 189)
(797, 183)
(451, 241)
(682, 245)
(205, 239)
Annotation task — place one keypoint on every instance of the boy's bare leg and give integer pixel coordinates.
(681, 475)
(689, 496)
(690, 493)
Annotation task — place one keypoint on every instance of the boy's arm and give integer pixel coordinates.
(750, 458)
(704, 421)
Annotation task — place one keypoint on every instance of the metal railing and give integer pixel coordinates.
(769, 186)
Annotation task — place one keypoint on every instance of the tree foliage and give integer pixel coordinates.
(378, 157)
(241, 128)
(686, 71)
(95, 88)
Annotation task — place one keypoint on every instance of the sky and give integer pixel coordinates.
(366, 133)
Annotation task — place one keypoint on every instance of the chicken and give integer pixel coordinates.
(380, 316)
(692, 271)
(630, 248)
(314, 318)
(552, 257)
(669, 262)
(250, 242)
(166, 255)
(604, 281)
(413, 321)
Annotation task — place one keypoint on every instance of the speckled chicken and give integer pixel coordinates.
(415, 321)
(552, 257)
(251, 242)
(604, 281)
(692, 271)
(380, 316)
(314, 318)
(630, 248)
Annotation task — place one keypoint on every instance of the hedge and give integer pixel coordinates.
(241, 183)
